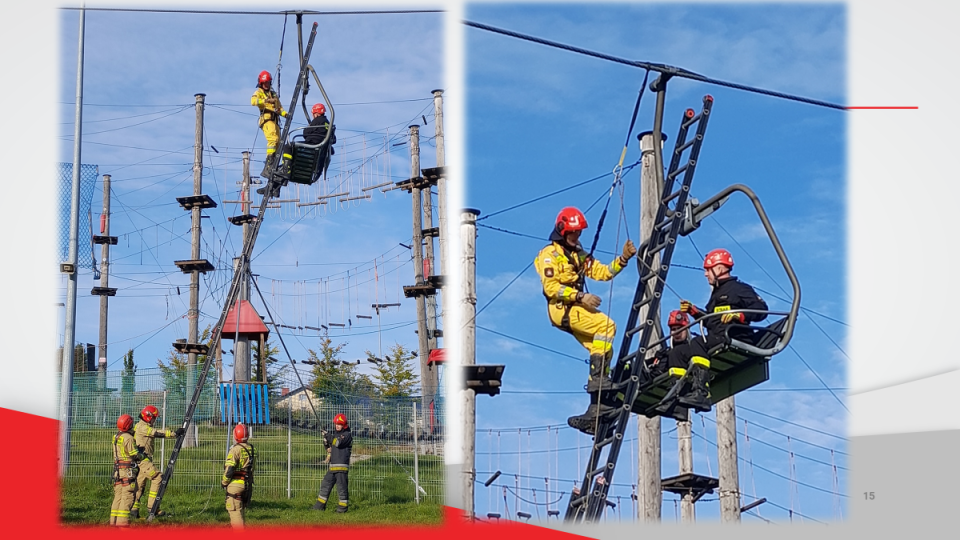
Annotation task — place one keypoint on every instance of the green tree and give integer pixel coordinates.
(395, 376)
(336, 379)
(174, 373)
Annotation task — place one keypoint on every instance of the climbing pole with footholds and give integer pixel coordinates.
(241, 270)
(589, 506)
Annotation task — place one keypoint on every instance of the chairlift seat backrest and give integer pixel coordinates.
(307, 162)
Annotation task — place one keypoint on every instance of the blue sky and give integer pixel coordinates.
(541, 119)
(316, 264)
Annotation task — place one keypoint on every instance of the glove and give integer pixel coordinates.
(589, 300)
(731, 317)
(224, 484)
(629, 250)
(179, 432)
(687, 307)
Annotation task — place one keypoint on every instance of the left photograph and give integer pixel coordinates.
(251, 256)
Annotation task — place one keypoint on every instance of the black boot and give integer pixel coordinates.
(135, 513)
(341, 509)
(268, 165)
(320, 506)
(698, 397)
(599, 379)
(587, 421)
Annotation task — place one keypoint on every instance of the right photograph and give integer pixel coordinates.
(656, 206)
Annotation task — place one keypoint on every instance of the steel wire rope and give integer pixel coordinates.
(236, 12)
(339, 391)
(85, 121)
(70, 137)
(671, 71)
(778, 474)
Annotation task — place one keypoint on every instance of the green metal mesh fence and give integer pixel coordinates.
(388, 462)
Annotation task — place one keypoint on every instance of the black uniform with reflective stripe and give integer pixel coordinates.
(318, 130)
(732, 294)
(341, 446)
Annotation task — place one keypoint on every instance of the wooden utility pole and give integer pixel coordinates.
(428, 378)
(648, 484)
(688, 513)
(241, 347)
(441, 186)
(727, 457)
(193, 314)
(468, 342)
(105, 292)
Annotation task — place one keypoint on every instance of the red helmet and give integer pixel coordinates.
(241, 433)
(677, 318)
(264, 77)
(319, 109)
(340, 419)
(570, 219)
(149, 414)
(125, 422)
(718, 256)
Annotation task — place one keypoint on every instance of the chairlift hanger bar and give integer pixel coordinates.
(659, 68)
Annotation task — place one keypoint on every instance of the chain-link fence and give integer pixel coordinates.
(396, 447)
(88, 179)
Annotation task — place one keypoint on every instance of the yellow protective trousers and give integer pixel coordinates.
(593, 329)
(147, 472)
(122, 503)
(235, 503)
(272, 133)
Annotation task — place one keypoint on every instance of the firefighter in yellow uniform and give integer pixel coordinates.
(265, 99)
(126, 455)
(144, 434)
(563, 267)
(238, 476)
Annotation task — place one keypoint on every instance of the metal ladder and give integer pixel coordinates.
(234, 292)
(590, 504)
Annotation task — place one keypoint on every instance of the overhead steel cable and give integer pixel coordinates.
(671, 71)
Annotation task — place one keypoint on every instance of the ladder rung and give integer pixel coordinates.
(689, 122)
(660, 247)
(593, 474)
(674, 195)
(680, 169)
(688, 144)
(578, 501)
(666, 222)
(642, 303)
(604, 442)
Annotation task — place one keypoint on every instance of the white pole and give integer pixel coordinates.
(416, 461)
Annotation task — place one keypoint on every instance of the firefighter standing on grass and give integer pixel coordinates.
(126, 455)
(339, 446)
(563, 266)
(238, 476)
(144, 434)
(265, 99)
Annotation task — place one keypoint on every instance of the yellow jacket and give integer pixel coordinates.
(239, 464)
(267, 110)
(144, 435)
(562, 272)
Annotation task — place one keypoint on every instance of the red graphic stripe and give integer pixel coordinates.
(30, 501)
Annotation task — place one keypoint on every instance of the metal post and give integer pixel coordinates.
(104, 282)
(163, 424)
(241, 344)
(289, 442)
(427, 375)
(727, 457)
(649, 429)
(66, 365)
(189, 438)
(416, 452)
(688, 512)
(468, 342)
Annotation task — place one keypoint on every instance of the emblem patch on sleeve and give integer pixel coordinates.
(548, 272)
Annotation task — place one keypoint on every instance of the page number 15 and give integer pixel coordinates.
(868, 495)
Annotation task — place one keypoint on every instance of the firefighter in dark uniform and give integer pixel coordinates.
(669, 357)
(729, 295)
(126, 456)
(238, 476)
(339, 446)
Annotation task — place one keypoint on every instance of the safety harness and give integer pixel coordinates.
(121, 464)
